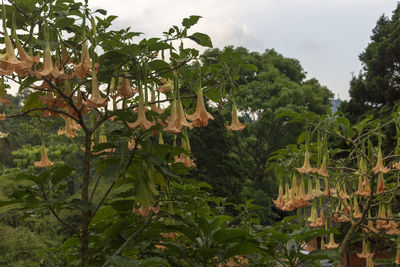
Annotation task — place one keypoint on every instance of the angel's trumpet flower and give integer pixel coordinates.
(96, 100)
(370, 262)
(200, 117)
(365, 251)
(313, 219)
(235, 124)
(370, 227)
(301, 199)
(279, 201)
(360, 189)
(8, 61)
(379, 164)
(184, 158)
(47, 66)
(181, 121)
(155, 107)
(321, 220)
(381, 223)
(2, 116)
(289, 204)
(141, 118)
(172, 126)
(381, 184)
(44, 160)
(317, 191)
(125, 89)
(331, 243)
(70, 127)
(356, 213)
(323, 170)
(166, 85)
(306, 168)
(84, 67)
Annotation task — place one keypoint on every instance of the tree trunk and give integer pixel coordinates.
(85, 215)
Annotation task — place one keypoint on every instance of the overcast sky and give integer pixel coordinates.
(326, 36)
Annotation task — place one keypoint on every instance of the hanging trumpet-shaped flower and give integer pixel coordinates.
(360, 188)
(321, 220)
(84, 67)
(322, 170)
(125, 89)
(184, 158)
(381, 223)
(301, 199)
(331, 243)
(279, 201)
(172, 126)
(181, 121)
(313, 219)
(381, 184)
(47, 66)
(365, 251)
(96, 100)
(44, 160)
(379, 164)
(235, 124)
(141, 118)
(317, 191)
(306, 168)
(356, 213)
(69, 129)
(166, 85)
(370, 227)
(370, 262)
(8, 61)
(200, 117)
(392, 226)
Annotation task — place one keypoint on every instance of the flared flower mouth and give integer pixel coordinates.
(331, 243)
(380, 168)
(201, 116)
(125, 89)
(85, 66)
(235, 124)
(96, 100)
(141, 120)
(306, 168)
(44, 160)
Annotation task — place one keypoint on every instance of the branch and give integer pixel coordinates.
(65, 223)
(129, 240)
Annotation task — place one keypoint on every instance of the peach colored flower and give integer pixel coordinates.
(125, 89)
(331, 243)
(47, 66)
(2, 116)
(141, 118)
(69, 129)
(357, 213)
(200, 117)
(3, 98)
(306, 168)
(172, 126)
(381, 184)
(181, 120)
(235, 124)
(365, 251)
(96, 100)
(44, 160)
(85, 66)
(379, 164)
(323, 170)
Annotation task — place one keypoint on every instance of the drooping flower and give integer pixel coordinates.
(370, 262)
(301, 199)
(8, 61)
(201, 116)
(381, 184)
(365, 251)
(313, 219)
(381, 223)
(47, 66)
(317, 191)
(356, 213)
(379, 164)
(141, 118)
(235, 124)
(44, 160)
(166, 85)
(306, 168)
(83, 68)
(322, 170)
(2, 116)
(181, 120)
(69, 129)
(331, 243)
(279, 201)
(96, 100)
(172, 126)
(125, 89)
(155, 107)
(370, 225)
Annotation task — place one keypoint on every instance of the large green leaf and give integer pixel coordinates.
(201, 38)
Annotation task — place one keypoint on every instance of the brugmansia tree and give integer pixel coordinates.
(345, 181)
(122, 97)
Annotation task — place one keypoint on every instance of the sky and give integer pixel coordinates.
(326, 36)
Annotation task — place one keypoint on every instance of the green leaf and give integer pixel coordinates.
(201, 39)
(159, 65)
(225, 235)
(189, 22)
(101, 11)
(213, 94)
(159, 46)
(119, 261)
(33, 102)
(59, 173)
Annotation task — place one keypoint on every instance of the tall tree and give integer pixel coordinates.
(378, 84)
